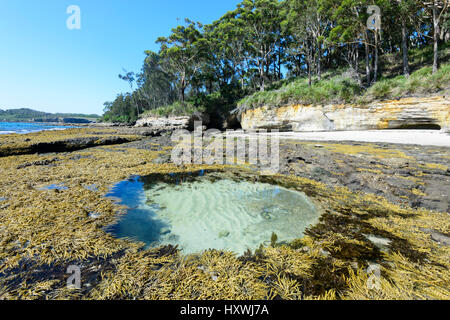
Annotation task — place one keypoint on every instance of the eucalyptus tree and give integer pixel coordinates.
(402, 11)
(439, 10)
(221, 61)
(351, 29)
(156, 86)
(130, 77)
(445, 28)
(295, 25)
(307, 23)
(408, 11)
(228, 38)
(181, 53)
(260, 20)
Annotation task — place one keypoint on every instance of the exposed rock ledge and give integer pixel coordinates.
(431, 112)
(172, 123)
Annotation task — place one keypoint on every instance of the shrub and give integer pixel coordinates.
(175, 109)
(333, 90)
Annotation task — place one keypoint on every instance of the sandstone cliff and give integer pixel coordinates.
(431, 112)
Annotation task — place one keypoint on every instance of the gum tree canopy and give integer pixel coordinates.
(263, 43)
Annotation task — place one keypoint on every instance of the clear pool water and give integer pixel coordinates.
(209, 213)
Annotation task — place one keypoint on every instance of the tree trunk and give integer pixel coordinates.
(279, 63)
(356, 58)
(182, 89)
(298, 68)
(435, 39)
(405, 50)
(262, 85)
(133, 99)
(319, 70)
(375, 68)
(261, 74)
(137, 105)
(353, 59)
(309, 73)
(366, 45)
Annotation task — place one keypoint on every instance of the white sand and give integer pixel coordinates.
(414, 137)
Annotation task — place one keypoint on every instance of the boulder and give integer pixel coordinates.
(173, 122)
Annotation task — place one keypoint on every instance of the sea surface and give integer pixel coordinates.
(24, 127)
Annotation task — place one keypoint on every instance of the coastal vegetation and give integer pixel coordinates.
(340, 89)
(291, 51)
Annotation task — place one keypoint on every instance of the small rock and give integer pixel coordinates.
(162, 159)
(379, 242)
(437, 236)
(440, 238)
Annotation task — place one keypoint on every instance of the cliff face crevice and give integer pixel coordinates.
(426, 113)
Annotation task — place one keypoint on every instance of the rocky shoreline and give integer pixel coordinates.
(382, 203)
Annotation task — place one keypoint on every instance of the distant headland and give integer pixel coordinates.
(30, 115)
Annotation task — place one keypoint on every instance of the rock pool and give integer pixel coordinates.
(200, 211)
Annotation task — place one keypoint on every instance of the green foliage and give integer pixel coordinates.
(286, 52)
(423, 81)
(333, 90)
(339, 89)
(175, 109)
(182, 52)
(123, 109)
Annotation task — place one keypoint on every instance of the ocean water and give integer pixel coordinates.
(25, 127)
(206, 214)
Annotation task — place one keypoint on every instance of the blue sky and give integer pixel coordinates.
(47, 67)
